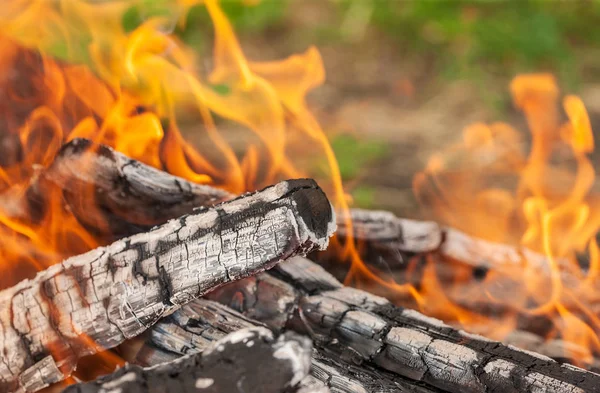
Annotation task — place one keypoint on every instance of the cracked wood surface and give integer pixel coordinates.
(98, 299)
(357, 327)
(390, 236)
(126, 193)
(199, 323)
(249, 360)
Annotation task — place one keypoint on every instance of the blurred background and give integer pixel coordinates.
(404, 77)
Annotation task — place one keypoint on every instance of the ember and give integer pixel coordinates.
(122, 241)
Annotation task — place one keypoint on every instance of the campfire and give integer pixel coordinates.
(135, 260)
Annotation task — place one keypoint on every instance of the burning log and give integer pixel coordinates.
(249, 360)
(195, 326)
(390, 236)
(390, 232)
(96, 300)
(357, 327)
(387, 244)
(129, 192)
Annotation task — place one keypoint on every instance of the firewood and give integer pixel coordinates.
(391, 236)
(199, 323)
(358, 327)
(96, 300)
(248, 361)
(125, 192)
(389, 231)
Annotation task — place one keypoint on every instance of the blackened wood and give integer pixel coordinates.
(343, 377)
(247, 361)
(196, 325)
(357, 327)
(391, 237)
(194, 328)
(98, 299)
(110, 192)
(384, 229)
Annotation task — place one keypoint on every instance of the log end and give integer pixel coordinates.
(314, 210)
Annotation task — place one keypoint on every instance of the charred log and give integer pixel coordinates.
(96, 300)
(198, 324)
(128, 193)
(247, 361)
(360, 328)
(390, 232)
(386, 235)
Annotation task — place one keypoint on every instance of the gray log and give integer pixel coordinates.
(248, 361)
(389, 231)
(116, 292)
(126, 193)
(199, 323)
(358, 327)
(392, 236)
(388, 245)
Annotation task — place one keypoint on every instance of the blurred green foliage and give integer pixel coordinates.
(255, 16)
(354, 154)
(478, 38)
(363, 196)
(472, 39)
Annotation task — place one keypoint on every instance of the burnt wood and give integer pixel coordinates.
(96, 300)
(125, 193)
(392, 237)
(250, 360)
(380, 230)
(360, 328)
(199, 323)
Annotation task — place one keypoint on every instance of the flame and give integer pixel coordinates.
(70, 69)
(132, 91)
(545, 201)
(138, 90)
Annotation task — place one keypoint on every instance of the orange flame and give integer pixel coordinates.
(140, 91)
(545, 201)
(133, 93)
(136, 91)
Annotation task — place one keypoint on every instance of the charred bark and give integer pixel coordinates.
(198, 324)
(96, 300)
(128, 196)
(359, 328)
(248, 361)
(388, 236)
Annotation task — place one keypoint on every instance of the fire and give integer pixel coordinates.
(132, 91)
(69, 68)
(488, 187)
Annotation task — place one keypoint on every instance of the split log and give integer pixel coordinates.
(247, 361)
(98, 299)
(459, 259)
(199, 323)
(390, 235)
(357, 327)
(110, 192)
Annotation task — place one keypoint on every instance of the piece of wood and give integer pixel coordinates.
(199, 323)
(392, 236)
(250, 360)
(96, 300)
(461, 264)
(110, 192)
(358, 327)
(387, 230)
